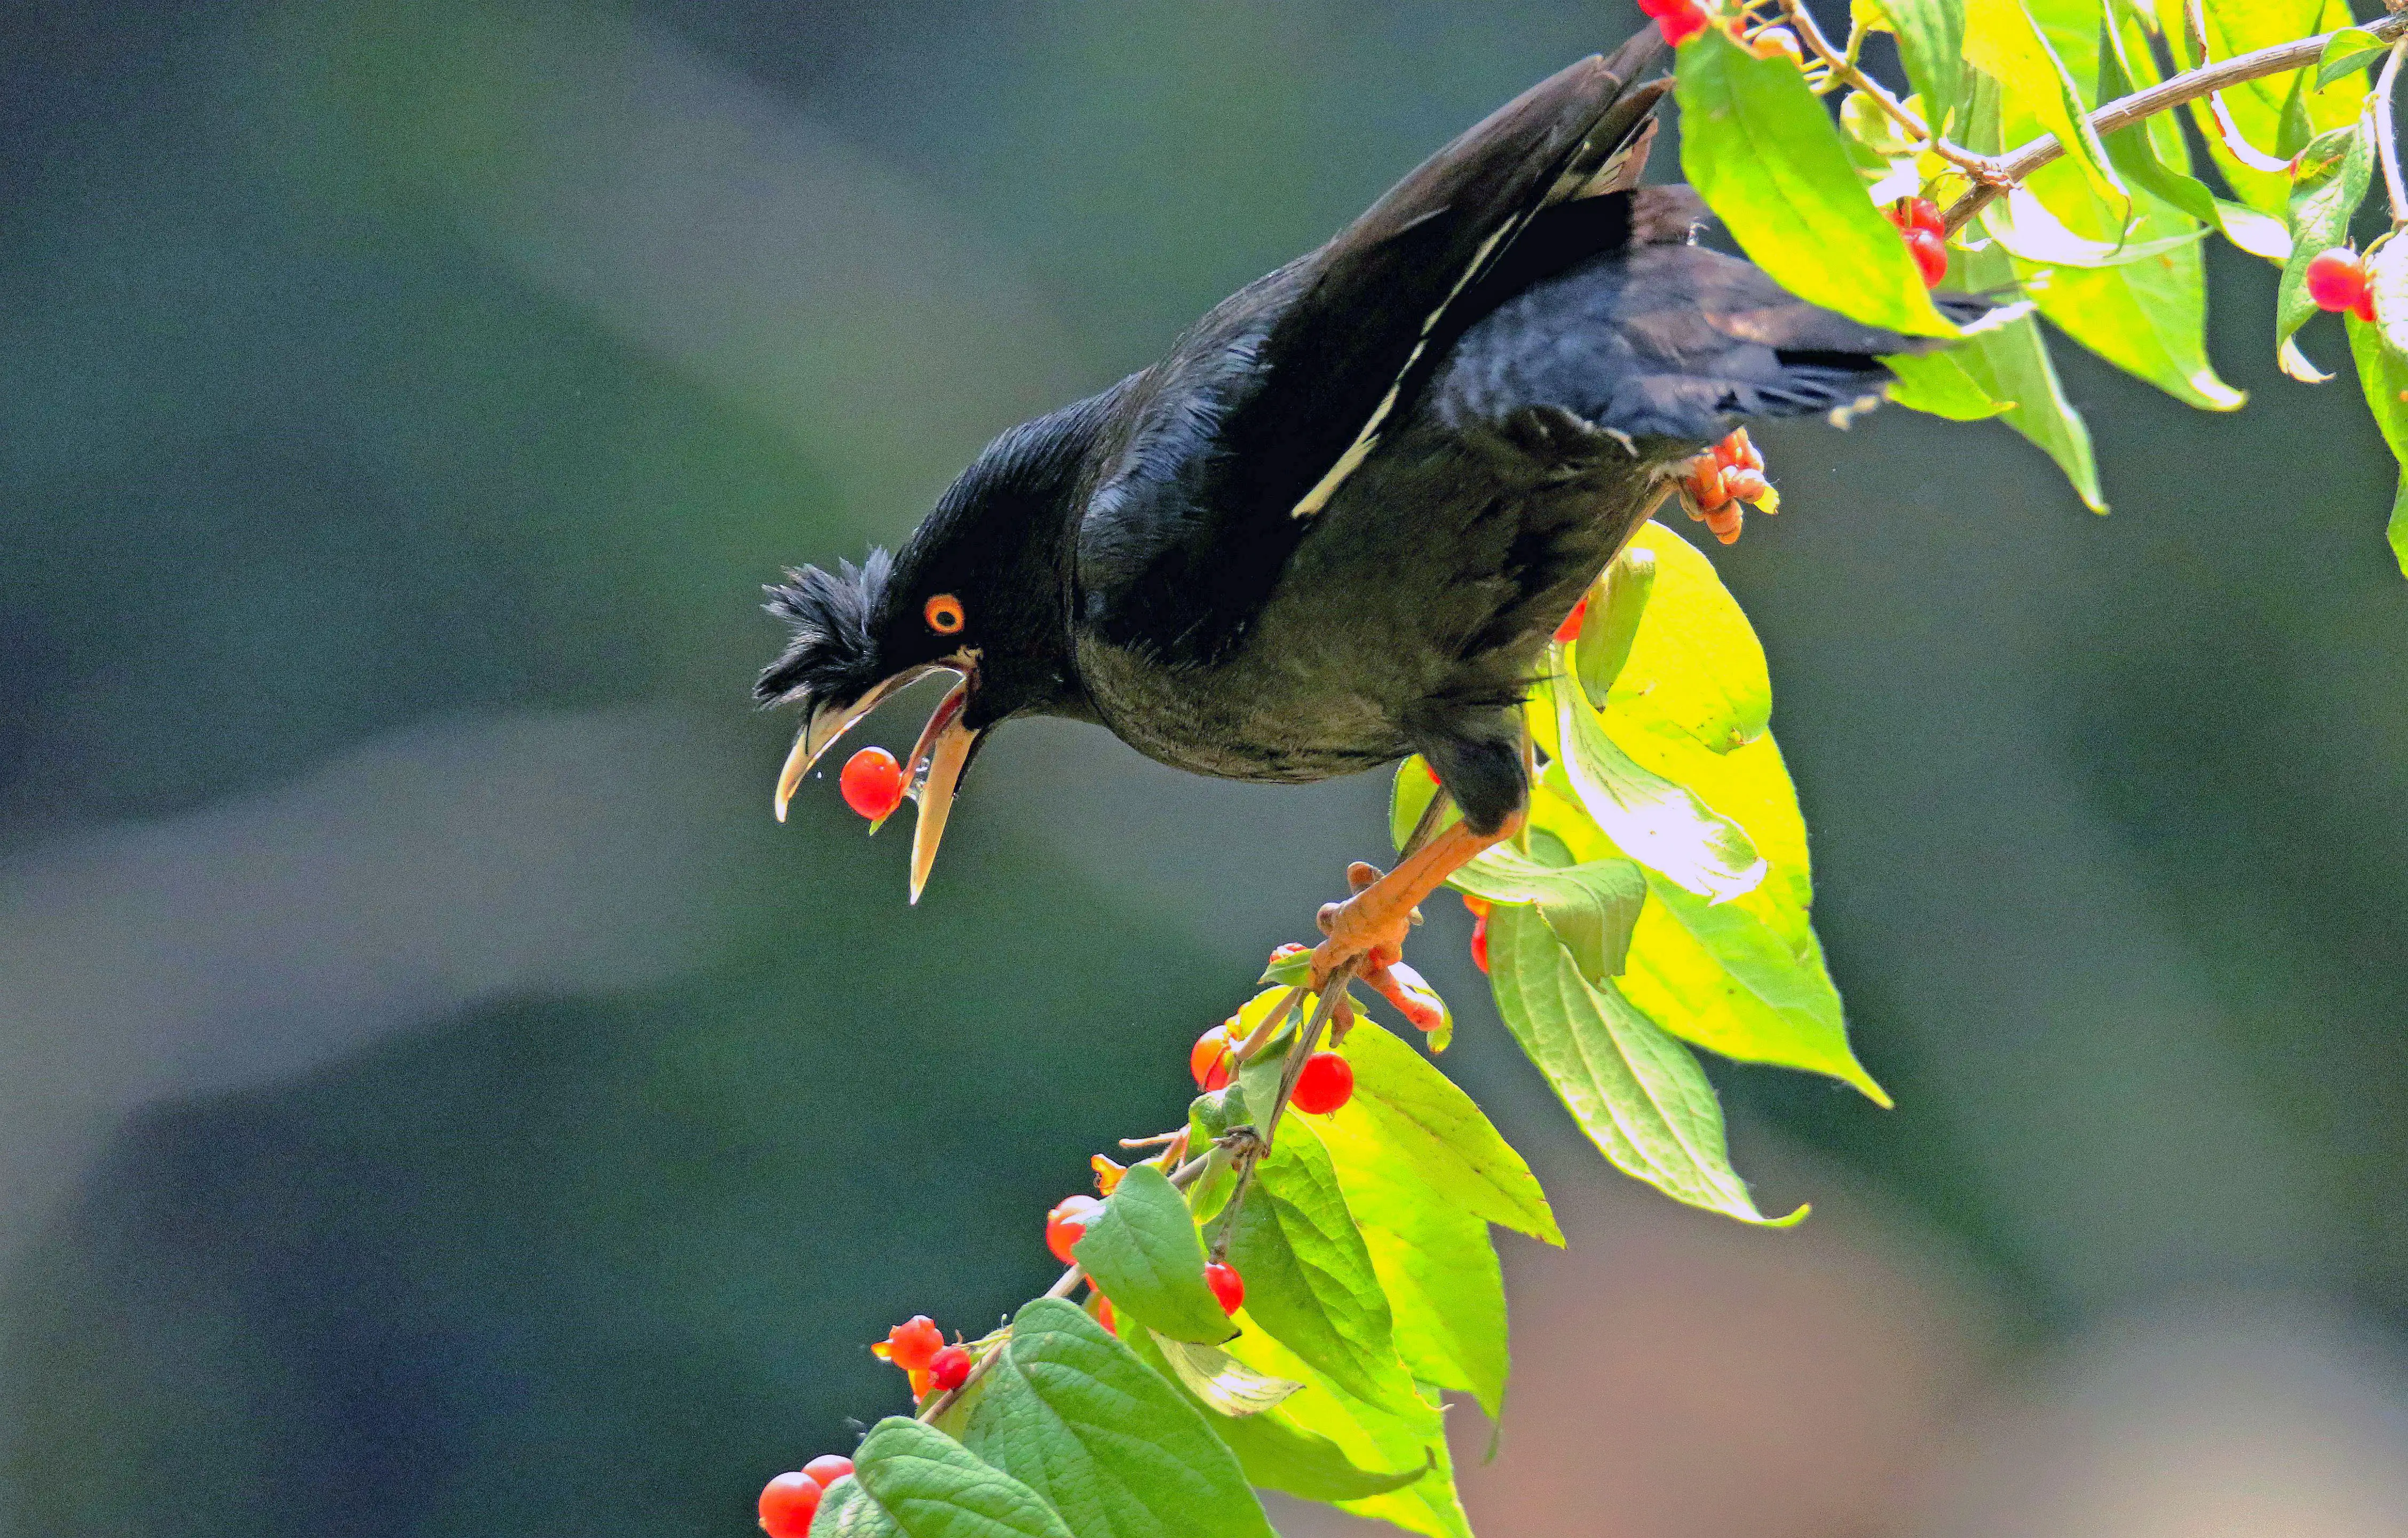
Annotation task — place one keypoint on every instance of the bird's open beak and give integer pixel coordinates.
(937, 760)
(930, 774)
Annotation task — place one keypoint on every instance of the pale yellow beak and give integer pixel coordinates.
(937, 762)
(827, 722)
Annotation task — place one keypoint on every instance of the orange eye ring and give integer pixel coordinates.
(944, 614)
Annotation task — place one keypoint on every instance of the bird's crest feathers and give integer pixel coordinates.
(832, 654)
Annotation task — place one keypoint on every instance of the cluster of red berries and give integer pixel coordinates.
(788, 1501)
(1722, 482)
(1679, 20)
(918, 1348)
(873, 784)
(1927, 236)
(2336, 279)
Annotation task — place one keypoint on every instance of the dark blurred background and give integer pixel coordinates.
(437, 1100)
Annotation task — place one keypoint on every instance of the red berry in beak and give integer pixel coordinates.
(872, 782)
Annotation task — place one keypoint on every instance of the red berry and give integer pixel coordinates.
(2336, 279)
(951, 1370)
(2364, 308)
(1653, 9)
(1930, 254)
(1570, 630)
(872, 782)
(1105, 1317)
(1916, 213)
(787, 1503)
(1327, 1083)
(1476, 906)
(1066, 1224)
(827, 1469)
(1207, 1060)
(1226, 1285)
(911, 1344)
(1683, 21)
(1479, 943)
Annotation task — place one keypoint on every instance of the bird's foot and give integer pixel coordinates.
(1369, 929)
(1720, 484)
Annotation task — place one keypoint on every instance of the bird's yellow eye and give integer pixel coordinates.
(943, 613)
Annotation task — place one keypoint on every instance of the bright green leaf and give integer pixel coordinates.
(1221, 1381)
(1277, 1448)
(1141, 1251)
(1759, 148)
(1618, 601)
(2321, 209)
(2348, 51)
(1696, 666)
(1075, 1416)
(1661, 824)
(1410, 1435)
(1592, 906)
(1930, 43)
(2023, 225)
(1938, 383)
(1414, 1115)
(2004, 42)
(1715, 974)
(2012, 364)
(914, 1481)
(1638, 1094)
(2257, 107)
(2148, 166)
(1309, 1281)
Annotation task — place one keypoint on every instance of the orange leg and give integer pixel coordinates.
(1373, 922)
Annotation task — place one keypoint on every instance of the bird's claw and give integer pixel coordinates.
(1721, 483)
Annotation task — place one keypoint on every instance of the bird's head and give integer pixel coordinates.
(977, 591)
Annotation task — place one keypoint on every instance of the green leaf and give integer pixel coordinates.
(2348, 51)
(2004, 42)
(1592, 906)
(1937, 384)
(2011, 364)
(1076, 1417)
(1617, 600)
(1280, 1451)
(2321, 209)
(1373, 1436)
(1718, 975)
(1404, 1110)
(1930, 43)
(1142, 1252)
(1695, 667)
(1432, 1256)
(2125, 61)
(1661, 824)
(2023, 225)
(2257, 107)
(1309, 1281)
(1638, 1094)
(1220, 1381)
(2383, 376)
(915, 1481)
(1759, 148)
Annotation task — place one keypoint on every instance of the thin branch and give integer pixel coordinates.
(2386, 143)
(2004, 171)
(1842, 67)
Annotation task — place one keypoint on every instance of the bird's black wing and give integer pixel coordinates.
(1228, 447)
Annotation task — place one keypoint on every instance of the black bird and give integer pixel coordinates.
(1339, 521)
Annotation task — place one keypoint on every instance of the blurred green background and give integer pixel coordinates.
(437, 1100)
